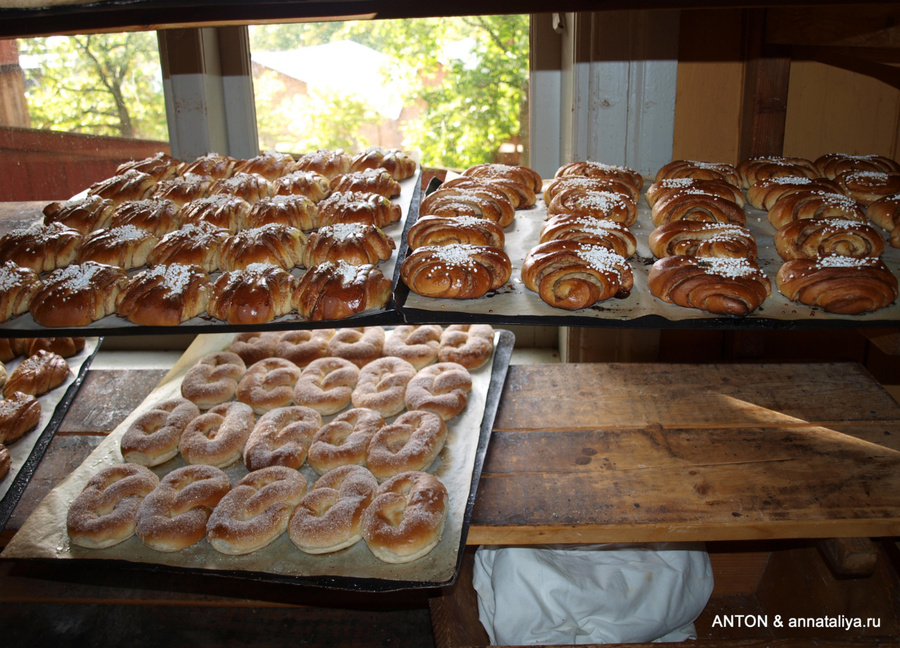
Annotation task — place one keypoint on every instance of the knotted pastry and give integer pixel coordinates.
(721, 286)
(293, 210)
(81, 214)
(303, 346)
(523, 174)
(470, 345)
(184, 188)
(249, 186)
(268, 164)
(161, 166)
(217, 437)
(661, 189)
(381, 385)
(372, 180)
(43, 248)
(11, 348)
(412, 442)
(865, 187)
(253, 346)
(309, 184)
(18, 287)
(521, 195)
(131, 185)
(572, 275)
(831, 165)
(442, 388)
(359, 345)
(173, 515)
(604, 232)
(62, 346)
(277, 245)
(456, 271)
(592, 169)
(331, 291)
(461, 202)
(326, 162)
(329, 517)
(267, 384)
(417, 345)
(105, 512)
(197, 245)
(164, 295)
(20, 413)
(343, 441)
(159, 216)
(694, 238)
(78, 294)
(885, 212)
(700, 171)
(450, 230)
(125, 246)
(254, 295)
(595, 204)
(697, 205)
(212, 165)
(810, 238)
(358, 207)
(152, 438)
(406, 518)
(811, 204)
(590, 184)
(213, 380)
(764, 193)
(326, 385)
(255, 511)
(282, 437)
(838, 284)
(758, 168)
(399, 164)
(222, 210)
(353, 243)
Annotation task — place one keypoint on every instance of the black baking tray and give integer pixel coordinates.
(26, 472)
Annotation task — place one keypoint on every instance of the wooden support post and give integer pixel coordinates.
(849, 557)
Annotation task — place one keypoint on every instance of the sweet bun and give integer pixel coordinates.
(274, 244)
(247, 186)
(442, 388)
(470, 345)
(253, 346)
(309, 184)
(212, 165)
(217, 437)
(592, 169)
(399, 164)
(326, 162)
(523, 174)
(18, 286)
(164, 295)
(184, 188)
(359, 345)
(595, 231)
(43, 248)
(411, 442)
(456, 271)
(297, 211)
(417, 344)
(333, 291)
(255, 294)
(193, 244)
(450, 230)
(20, 413)
(84, 215)
(268, 164)
(353, 243)
(5, 461)
(78, 295)
(221, 210)
(371, 180)
(267, 384)
(381, 385)
(343, 440)
(131, 185)
(326, 385)
(213, 379)
(159, 216)
(63, 346)
(358, 207)
(282, 437)
(152, 438)
(838, 284)
(696, 238)
(485, 203)
(37, 374)
(302, 346)
(594, 204)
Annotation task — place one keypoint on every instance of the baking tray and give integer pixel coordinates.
(411, 195)
(43, 535)
(27, 451)
(513, 304)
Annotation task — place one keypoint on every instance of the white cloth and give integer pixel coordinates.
(582, 594)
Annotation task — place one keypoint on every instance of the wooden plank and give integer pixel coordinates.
(120, 392)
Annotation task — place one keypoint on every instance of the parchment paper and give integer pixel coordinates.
(43, 535)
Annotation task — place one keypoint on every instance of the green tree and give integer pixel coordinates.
(103, 84)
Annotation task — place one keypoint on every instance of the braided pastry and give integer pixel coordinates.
(37, 374)
(131, 185)
(885, 212)
(372, 180)
(161, 166)
(722, 286)
(693, 238)
(211, 165)
(831, 165)
(382, 385)
(359, 345)
(125, 246)
(758, 168)
(331, 291)
(522, 174)
(697, 205)
(268, 384)
(158, 216)
(268, 164)
(442, 388)
(294, 210)
(198, 245)
(450, 202)
(764, 193)
(164, 295)
(63, 346)
(222, 210)
(310, 184)
(447, 230)
(326, 385)
(249, 186)
(590, 184)
(256, 294)
(418, 345)
(282, 437)
(838, 284)
(358, 207)
(572, 275)
(661, 189)
(720, 171)
(865, 187)
(600, 170)
(810, 238)
(43, 248)
(18, 287)
(184, 188)
(82, 214)
(412, 442)
(20, 413)
(594, 231)
(353, 243)
(253, 346)
(455, 271)
(277, 245)
(326, 162)
(811, 204)
(519, 194)
(399, 164)
(78, 294)
(595, 204)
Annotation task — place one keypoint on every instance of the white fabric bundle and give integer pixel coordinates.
(583, 594)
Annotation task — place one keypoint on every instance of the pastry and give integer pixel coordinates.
(43, 248)
(810, 238)
(371, 180)
(222, 210)
(399, 164)
(520, 194)
(449, 230)
(416, 344)
(197, 245)
(309, 184)
(159, 216)
(353, 243)
(125, 246)
(491, 171)
(161, 166)
(11, 348)
(594, 204)
(332, 291)
(459, 202)
(164, 295)
(78, 294)
(254, 295)
(20, 413)
(267, 384)
(412, 442)
(253, 346)
(213, 379)
(604, 232)
(697, 205)
(584, 183)
(217, 437)
(268, 164)
(592, 169)
(277, 245)
(813, 204)
(249, 186)
(343, 440)
(184, 188)
(831, 165)
(663, 188)
(470, 345)
(282, 437)
(131, 185)
(303, 346)
(5, 461)
(838, 284)
(296, 211)
(572, 275)
(885, 212)
(358, 207)
(764, 193)
(81, 214)
(722, 286)
(456, 271)
(442, 388)
(18, 287)
(61, 346)
(865, 187)
(211, 165)
(326, 162)
(758, 168)
(695, 238)
(326, 385)
(152, 438)
(359, 345)
(700, 171)
(381, 385)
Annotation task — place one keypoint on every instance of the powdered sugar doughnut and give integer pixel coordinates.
(326, 385)
(254, 346)
(442, 388)
(468, 345)
(418, 345)
(213, 380)
(303, 346)
(359, 345)
(412, 442)
(344, 440)
(268, 383)
(217, 437)
(153, 437)
(282, 437)
(382, 385)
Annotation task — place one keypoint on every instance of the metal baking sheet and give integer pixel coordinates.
(513, 304)
(410, 197)
(27, 451)
(43, 535)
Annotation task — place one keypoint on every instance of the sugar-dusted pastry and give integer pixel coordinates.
(838, 284)
(760, 167)
(20, 413)
(164, 295)
(592, 169)
(41, 247)
(865, 187)
(211, 165)
(360, 345)
(253, 295)
(814, 237)
(399, 164)
(302, 346)
(417, 344)
(411, 442)
(248, 186)
(131, 185)
(520, 194)
(814, 204)
(38, 374)
(217, 437)
(700, 170)
(268, 164)
(331, 291)
(358, 207)
(277, 245)
(479, 203)
(161, 166)
(213, 379)
(831, 165)
(371, 180)
(268, 384)
(885, 212)
(184, 188)
(152, 438)
(293, 210)
(381, 385)
(18, 286)
(519, 173)
(222, 210)
(442, 388)
(81, 214)
(125, 246)
(198, 245)
(282, 437)
(595, 204)
(311, 184)
(470, 345)
(326, 385)
(253, 346)
(78, 294)
(697, 205)
(661, 189)
(696, 238)
(158, 216)
(762, 194)
(343, 440)
(353, 243)
(456, 271)
(326, 162)
(605, 232)
(450, 230)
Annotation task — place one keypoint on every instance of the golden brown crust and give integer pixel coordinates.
(722, 286)
(832, 165)
(468, 230)
(20, 413)
(333, 291)
(125, 246)
(326, 385)
(131, 185)
(595, 231)
(290, 211)
(37, 374)
(763, 193)
(885, 212)
(412, 442)
(838, 284)
(78, 294)
(184, 188)
(212, 165)
(282, 437)
(343, 441)
(700, 170)
(590, 169)
(81, 214)
(268, 164)
(222, 210)
(758, 168)
(694, 238)
(470, 345)
(253, 346)
(399, 164)
(358, 207)
(43, 248)
(249, 186)
(865, 187)
(381, 385)
(213, 379)
(372, 180)
(697, 205)
(520, 194)
(417, 344)
(450, 202)
(63, 346)
(595, 204)
(572, 275)
(663, 188)
(161, 166)
(164, 295)
(158, 216)
(442, 388)
(198, 245)
(326, 162)
(304, 345)
(519, 173)
(267, 384)
(810, 238)
(152, 438)
(811, 204)
(217, 437)
(18, 286)
(455, 271)
(353, 243)
(277, 245)
(613, 185)
(254, 295)
(359, 345)
(309, 184)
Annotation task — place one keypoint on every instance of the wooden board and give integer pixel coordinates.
(648, 452)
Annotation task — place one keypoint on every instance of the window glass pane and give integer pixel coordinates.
(454, 91)
(75, 107)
